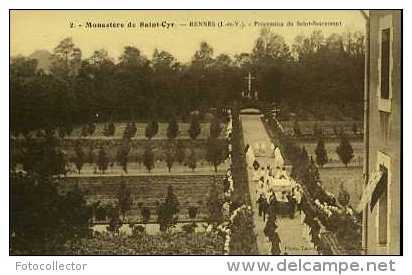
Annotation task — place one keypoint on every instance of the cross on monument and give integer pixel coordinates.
(249, 79)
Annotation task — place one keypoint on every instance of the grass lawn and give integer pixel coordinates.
(333, 157)
(306, 127)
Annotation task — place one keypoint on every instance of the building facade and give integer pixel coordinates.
(383, 160)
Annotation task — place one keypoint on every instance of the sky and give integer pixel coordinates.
(34, 30)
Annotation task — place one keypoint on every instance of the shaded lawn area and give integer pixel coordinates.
(351, 178)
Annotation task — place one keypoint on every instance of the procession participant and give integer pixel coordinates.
(265, 208)
(291, 203)
(263, 148)
(275, 249)
(278, 172)
(308, 221)
(272, 147)
(270, 228)
(314, 232)
(262, 205)
(268, 187)
(297, 195)
(273, 204)
(262, 174)
(270, 170)
(260, 188)
(257, 147)
(283, 174)
(271, 182)
(283, 197)
(254, 175)
(247, 148)
(279, 161)
(272, 235)
(250, 156)
(265, 173)
(256, 164)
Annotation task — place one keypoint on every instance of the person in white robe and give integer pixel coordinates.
(279, 161)
(263, 148)
(272, 149)
(250, 157)
(256, 147)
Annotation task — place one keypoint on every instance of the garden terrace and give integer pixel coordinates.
(111, 146)
(120, 128)
(330, 128)
(147, 190)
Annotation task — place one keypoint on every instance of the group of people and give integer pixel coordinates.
(276, 188)
(277, 194)
(287, 204)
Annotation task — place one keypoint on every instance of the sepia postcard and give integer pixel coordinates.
(205, 132)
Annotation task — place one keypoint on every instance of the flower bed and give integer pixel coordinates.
(240, 237)
(179, 243)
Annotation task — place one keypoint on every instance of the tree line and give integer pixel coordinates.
(314, 71)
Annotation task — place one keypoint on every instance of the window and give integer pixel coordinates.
(385, 63)
(381, 197)
(385, 55)
(383, 214)
(384, 126)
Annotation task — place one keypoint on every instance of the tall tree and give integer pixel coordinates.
(345, 150)
(80, 157)
(40, 221)
(194, 129)
(102, 160)
(168, 210)
(145, 212)
(170, 158)
(180, 152)
(124, 198)
(215, 152)
(192, 160)
(215, 128)
(203, 58)
(148, 158)
(66, 59)
(214, 205)
(321, 153)
(151, 129)
(43, 157)
(123, 154)
(270, 46)
(172, 129)
(131, 56)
